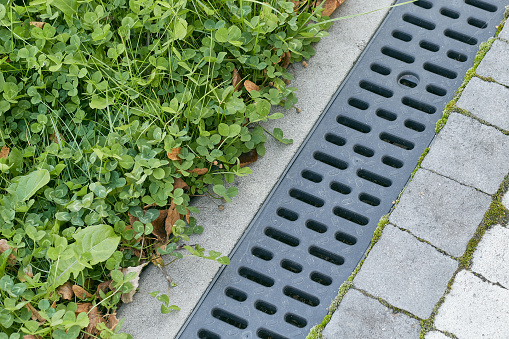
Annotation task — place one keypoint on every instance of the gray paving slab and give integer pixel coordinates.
(335, 55)
(360, 317)
(495, 63)
(407, 273)
(471, 153)
(441, 211)
(504, 34)
(435, 335)
(491, 258)
(486, 100)
(474, 309)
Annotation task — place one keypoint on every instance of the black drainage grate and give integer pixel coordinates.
(318, 221)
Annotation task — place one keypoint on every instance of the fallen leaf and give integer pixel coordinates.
(158, 225)
(180, 183)
(35, 314)
(104, 286)
(248, 158)
(199, 171)
(171, 218)
(157, 259)
(4, 247)
(187, 216)
(39, 24)
(83, 307)
(236, 80)
(65, 291)
(4, 152)
(80, 292)
(53, 138)
(329, 6)
(112, 321)
(286, 59)
(251, 86)
(128, 297)
(174, 154)
(94, 318)
(31, 336)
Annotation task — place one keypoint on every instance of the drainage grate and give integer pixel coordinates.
(317, 223)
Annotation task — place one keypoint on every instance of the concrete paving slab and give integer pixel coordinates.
(407, 273)
(435, 335)
(335, 55)
(495, 63)
(504, 34)
(441, 211)
(474, 309)
(491, 258)
(360, 317)
(471, 153)
(486, 100)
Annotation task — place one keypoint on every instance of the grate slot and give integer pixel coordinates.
(206, 334)
(235, 294)
(395, 54)
(335, 139)
(301, 296)
(446, 73)
(311, 176)
(265, 307)
(350, 216)
(326, 255)
(424, 4)
(377, 89)
(429, 46)
(380, 69)
(477, 23)
(262, 253)
(457, 56)
(357, 103)
(316, 226)
(330, 160)
(320, 278)
(346, 238)
(283, 237)
(369, 199)
(396, 141)
(467, 39)
(340, 188)
(291, 266)
(256, 277)
(439, 91)
(385, 114)
(374, 178)
(402, 36)
(449, 13)
(482, 5)
(287, 214)
(414, 125)
(392, 162)
(419, 22)
(295, 320)
(364, 151)
(306, 198)
(229, 318)
(418, 105)
(353, 124)
(266, 334)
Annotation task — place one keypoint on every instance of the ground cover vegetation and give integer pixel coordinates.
(113, 115)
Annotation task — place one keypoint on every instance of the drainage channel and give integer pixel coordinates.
(318, 221)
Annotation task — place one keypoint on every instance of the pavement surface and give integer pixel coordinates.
(441, 266)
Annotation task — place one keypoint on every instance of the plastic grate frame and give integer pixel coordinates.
(318, 221)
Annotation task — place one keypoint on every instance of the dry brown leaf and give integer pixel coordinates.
(236, 80)
(4, 247)
(104, 286)
(4, 152)
(66, 291)
(174, 154)
(329, 6)
(248, 158)
(112, 321)
(199, 171)
(94, 318)
(158, 226)
(286, 59)
(31, 336)
(157, 259)
(53, 138)
(180, 183)
(83, 307)
(80, 292)
(39, 24)
(171, 218)
(35, 314)
(251, 86)
(187, 216)
(128, 297)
